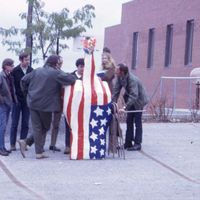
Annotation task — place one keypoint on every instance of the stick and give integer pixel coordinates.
(131, 111)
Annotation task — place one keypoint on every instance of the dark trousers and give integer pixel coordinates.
(67, 134)
(55, 127)
(41, 122)
(131, 135)
(29, 140)
(20, 107)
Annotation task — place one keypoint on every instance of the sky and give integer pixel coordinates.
(108, 13)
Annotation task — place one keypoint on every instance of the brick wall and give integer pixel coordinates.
(141, 15)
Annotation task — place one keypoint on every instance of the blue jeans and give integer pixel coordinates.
(20, 107)
(4, 115)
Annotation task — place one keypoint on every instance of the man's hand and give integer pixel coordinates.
(121, 110)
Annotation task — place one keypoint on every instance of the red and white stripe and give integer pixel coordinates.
(77, 103)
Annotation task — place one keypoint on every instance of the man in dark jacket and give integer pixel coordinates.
(43, 86)
(20, 107)
(135, 98)
(7, 98)
(80, 64)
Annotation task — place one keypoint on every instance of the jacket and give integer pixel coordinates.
(17, 74)
(43, 88)
(135, 94)
(77, 78)
(5, 95)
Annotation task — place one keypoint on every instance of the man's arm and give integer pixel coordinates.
(65, 78)
(25, 81)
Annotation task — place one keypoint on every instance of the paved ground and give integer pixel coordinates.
(168, 168)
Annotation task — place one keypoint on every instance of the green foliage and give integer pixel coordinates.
(49, 30)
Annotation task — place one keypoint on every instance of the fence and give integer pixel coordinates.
(175, 98)
(189, 91)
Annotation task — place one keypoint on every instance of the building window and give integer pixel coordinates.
(189, 41)
(168, 46)
(150, 48)
(135, 50)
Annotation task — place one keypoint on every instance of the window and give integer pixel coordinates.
(150, 48)
(168, 46)
(135, 50)
(189, 41)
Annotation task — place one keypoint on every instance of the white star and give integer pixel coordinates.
(93, 123)
(98, 111)
(109, 111)
(102, 141)
(102, 152)
(93, 149)
(93, 136)
(103, 122)
(101, 131)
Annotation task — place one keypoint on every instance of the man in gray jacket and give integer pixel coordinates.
(135, 98)
(43, 86)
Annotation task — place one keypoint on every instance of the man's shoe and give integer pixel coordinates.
(22, 146)
(67, 150)
(135, 147)
(6, 150)
(41, 156)
(126, 146)
(54, 148)
(3, 152)
(13, 148)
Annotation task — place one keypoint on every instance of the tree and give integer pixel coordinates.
(29, 36)
(48, 31)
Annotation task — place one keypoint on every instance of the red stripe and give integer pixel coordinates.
(93, 91)
(69, 106)
(71, 139)
(105, 97)
(68, 114)
(81, 128)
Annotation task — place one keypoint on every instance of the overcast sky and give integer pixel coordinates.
(108, 13)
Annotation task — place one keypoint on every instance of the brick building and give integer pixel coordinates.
(159, 38)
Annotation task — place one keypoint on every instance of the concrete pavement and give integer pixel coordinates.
(167, 168)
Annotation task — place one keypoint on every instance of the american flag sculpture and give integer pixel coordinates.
(87, 107)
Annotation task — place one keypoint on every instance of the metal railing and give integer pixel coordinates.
(175, 92)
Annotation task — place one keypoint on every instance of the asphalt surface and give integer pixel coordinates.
(167, 168)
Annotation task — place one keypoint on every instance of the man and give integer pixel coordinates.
(55, 127)
(80, 64)
(7, 98)
(44, 98)
(20, 106)
(135, 98)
